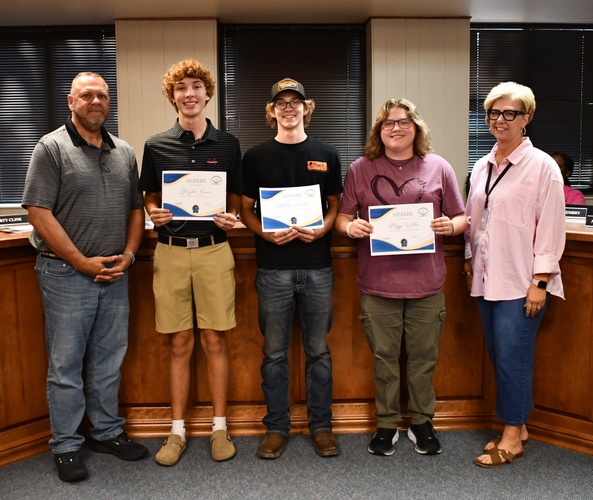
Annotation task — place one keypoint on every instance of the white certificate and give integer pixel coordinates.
(402, 229)
(293, 206)
(194, 195)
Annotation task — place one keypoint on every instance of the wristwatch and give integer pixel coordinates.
(540, 283)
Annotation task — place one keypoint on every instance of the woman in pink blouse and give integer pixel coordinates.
(514, 242)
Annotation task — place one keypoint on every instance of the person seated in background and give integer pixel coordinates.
(566, 164)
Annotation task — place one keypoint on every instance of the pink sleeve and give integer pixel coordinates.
(573, 196)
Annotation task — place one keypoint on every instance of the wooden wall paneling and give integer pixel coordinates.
(351, 355)
(24, 361)
(24, 420)
(459, 372)
(145, 370)
(564, 331)
(353, 383)
(464, 381)
(352, 360)
(244, 344)
(246, 340)
(463, 378)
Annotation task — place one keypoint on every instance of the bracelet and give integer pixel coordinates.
(452, 228)
(348, 230)
(130, 256)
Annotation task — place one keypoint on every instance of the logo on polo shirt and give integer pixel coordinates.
(212, 161)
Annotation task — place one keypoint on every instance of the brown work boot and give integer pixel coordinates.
(272, 445)
(326, 444)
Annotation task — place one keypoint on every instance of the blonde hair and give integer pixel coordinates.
(183, 69)
(511, 90)
(374, 146)
(308, 104)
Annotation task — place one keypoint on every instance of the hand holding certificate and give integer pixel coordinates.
(401, 229)
(295, 206)
(194, 195)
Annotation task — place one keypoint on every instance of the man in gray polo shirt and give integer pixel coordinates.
(87, 212)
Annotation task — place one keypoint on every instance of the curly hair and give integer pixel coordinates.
(183, 69)
(422, 140)
(309, 105)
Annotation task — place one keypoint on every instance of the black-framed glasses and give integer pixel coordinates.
(404, 124)
(508, 114)
(294, 104)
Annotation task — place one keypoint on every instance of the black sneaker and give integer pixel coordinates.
(423, 436)
(121, 446)
(70, 466)
(383, 442)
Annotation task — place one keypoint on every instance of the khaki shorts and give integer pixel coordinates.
(187, 276)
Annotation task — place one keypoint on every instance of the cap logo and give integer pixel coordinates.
(287, 84)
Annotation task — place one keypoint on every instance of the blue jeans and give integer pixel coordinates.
(85, 323)
(279, 291)
(510, 340)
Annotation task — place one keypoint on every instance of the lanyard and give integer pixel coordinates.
(490, 189)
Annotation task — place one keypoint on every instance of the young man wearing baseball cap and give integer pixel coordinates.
(294, 266)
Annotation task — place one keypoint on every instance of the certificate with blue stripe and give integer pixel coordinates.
(402, 229)
(194, 195)
(284, 207)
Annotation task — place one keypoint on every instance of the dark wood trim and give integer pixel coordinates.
(464, 381)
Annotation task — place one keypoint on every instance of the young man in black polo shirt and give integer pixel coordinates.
(193, 262)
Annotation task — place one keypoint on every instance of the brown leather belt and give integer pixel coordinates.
(50, 255)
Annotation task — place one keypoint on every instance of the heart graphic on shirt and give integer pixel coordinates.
(397, 190)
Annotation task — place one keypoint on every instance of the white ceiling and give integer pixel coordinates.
(54, 12)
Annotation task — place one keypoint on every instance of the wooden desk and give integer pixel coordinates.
(464, 381)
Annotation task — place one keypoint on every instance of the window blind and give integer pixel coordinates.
(37, 66)
(556, 62)
(330, 63)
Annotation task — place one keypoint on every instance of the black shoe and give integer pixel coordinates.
(383, 442)
(121, 446)
(423, 436)
(70, 466)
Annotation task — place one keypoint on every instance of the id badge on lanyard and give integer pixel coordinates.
(484, 220)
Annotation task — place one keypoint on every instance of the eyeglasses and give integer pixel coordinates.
(294, 104)
(404, 123)
(508, 114)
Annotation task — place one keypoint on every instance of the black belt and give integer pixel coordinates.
(50, 255)
(202, 241)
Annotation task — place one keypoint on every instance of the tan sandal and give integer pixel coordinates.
(497, 440)
(499, 457)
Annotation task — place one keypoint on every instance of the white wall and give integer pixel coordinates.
(424, 60)
(427, 62)
(145, 51)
